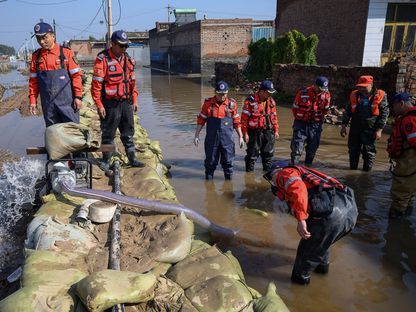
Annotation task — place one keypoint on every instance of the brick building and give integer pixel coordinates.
(194, 47)
(353, 32)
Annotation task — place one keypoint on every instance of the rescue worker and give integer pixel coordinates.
(324, 208)
(368, 111)
(220, 114)
(260, 127)
(402, 151)
(309, 109)
(55, 75)
(114, 92)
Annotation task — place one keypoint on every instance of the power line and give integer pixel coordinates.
(49, 3)
(92, 21)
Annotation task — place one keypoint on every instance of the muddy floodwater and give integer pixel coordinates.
(373, 269)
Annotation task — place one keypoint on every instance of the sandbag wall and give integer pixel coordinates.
(164, 266)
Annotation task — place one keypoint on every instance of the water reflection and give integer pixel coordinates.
(373, 269)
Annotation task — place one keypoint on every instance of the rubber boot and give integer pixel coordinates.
(228, 176)
(322, 268)
(105, 163)
(209, 176)
(294, 160)
(301, 279)
(267, 165)
(353, 163)
(249, 166)
(131, 155)
(367, 166)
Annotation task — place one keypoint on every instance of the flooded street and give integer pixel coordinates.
(373, 269)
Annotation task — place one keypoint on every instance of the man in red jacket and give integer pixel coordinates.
(57, 77)
(114, 92)
(260, 126)
(309, 109)
(402, 151)
(324, 208)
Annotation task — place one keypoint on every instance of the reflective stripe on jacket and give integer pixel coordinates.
(259, 115)
(293, 184)
(211, 108)
(113, 79)
(310, 106)
(45, 60)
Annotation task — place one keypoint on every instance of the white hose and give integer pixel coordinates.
(147, 205)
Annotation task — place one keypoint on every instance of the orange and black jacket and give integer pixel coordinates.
(379, 108)
(293, 184)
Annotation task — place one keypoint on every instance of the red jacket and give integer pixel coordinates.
(259, 115)
(404, 134)
(293, 184)
(310, 106)
(211, 108)
(113, 78)
(49, 60)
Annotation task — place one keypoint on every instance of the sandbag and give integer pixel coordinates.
(60, 268)
(203, 266)
(271, 302)
(175, 246)
(169, 297)
(105, 289)
(47, 233)
(60, 210)
(219, 294)
(45, 298)
(64, 138)
(197, 246)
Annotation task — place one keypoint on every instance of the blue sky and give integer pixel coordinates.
(75, 18)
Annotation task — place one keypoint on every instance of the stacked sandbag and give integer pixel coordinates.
(64, 138)
(163, 267)
(105, 289)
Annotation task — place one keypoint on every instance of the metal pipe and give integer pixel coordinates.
(147, 205)
(115, 232)
(115, 225)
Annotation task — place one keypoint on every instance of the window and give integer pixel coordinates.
(387, 39)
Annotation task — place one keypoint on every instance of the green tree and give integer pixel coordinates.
(292, 47)
(6, 50)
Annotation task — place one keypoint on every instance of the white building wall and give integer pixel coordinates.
(375, 30)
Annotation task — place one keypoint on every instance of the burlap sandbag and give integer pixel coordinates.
(175, 246)
(60, 210)
(64, 138)
(48, 233)
(219, 294)
(105, 289)
(44, 267)
(45, 298)
(271, 302)
(204, 265)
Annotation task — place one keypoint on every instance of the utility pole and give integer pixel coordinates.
(169, 7)
(54, 28)
(110, 23)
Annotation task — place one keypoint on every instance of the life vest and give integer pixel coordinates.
(119, 80)
(312, 106)
(397, 142)
(312, 178)
(228, 108)
(261, 115)
(375, 100)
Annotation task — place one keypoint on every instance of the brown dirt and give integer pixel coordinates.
(17, 101)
